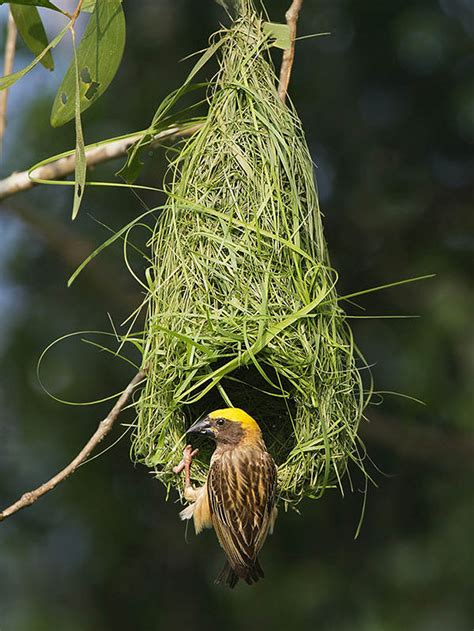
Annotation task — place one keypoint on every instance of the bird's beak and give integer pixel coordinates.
(201, 427)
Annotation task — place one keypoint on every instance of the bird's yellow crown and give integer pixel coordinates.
(237, 415)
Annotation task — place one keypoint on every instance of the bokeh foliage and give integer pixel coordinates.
(385, 102)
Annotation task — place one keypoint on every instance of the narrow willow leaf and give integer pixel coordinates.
(8, 80)
(98, 57)
(31, 29)
(280, 33)
(35, 3)
(80, 152)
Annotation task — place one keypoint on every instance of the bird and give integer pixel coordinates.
(238, 498)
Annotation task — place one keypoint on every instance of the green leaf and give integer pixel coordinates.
(35, 3)
(280, 33)
(98, 57)
(31, 29)
(80, 152)
(88, 6)
(8, 80)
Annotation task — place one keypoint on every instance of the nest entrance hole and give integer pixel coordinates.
(273, 409)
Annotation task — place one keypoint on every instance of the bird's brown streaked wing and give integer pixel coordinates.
(241, 489)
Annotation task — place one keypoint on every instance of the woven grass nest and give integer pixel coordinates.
(242, 308)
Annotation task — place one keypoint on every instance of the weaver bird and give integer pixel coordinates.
(238, 498)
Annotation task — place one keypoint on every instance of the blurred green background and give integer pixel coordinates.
(387, 102)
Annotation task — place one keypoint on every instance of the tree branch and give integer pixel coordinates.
(103, 429)
(10, 46)
(21, 181)
(291, 17)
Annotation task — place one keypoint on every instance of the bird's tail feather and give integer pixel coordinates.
(230, 576)
(227, 576)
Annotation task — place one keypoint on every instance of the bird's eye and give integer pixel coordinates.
(220, 422)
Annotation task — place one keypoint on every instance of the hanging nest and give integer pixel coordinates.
(242, 305)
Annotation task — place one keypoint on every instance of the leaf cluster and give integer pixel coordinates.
(96, 59)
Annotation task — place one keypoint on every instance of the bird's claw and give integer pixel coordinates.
(188, 455)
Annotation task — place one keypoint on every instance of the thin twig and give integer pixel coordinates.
(103, 429)
(10, 47)
(291, 17)
(63, 167)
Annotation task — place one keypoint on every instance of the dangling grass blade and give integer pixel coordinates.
(131, 170)
(229, 5)
(39, 366)
(80, 152)
(8, 80)
(133, 166)
(396, 283)
(98, 58)
(31, 29)
(35, 3)
(401, 395)
(106, 244)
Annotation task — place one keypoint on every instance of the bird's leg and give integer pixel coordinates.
(190, 493)
(188, 456)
